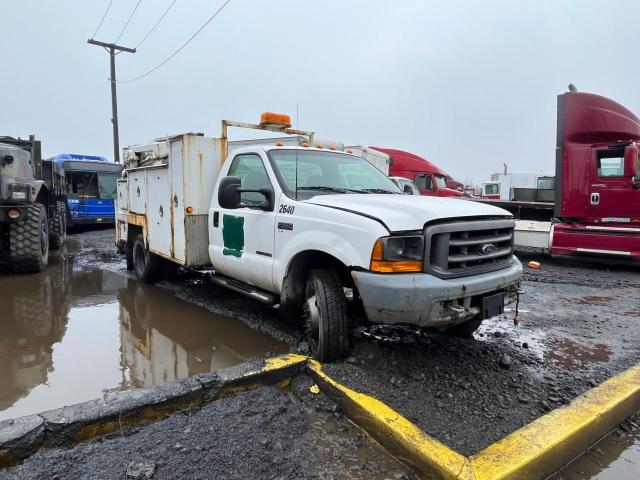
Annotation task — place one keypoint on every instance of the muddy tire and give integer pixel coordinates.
(148, 267)
(327, 320)
(58, 228)
(29, 241)
(464, 329)
(129, 252)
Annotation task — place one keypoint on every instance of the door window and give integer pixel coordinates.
(491, 189)
(424, 182)
(610, 165)
(252, 175)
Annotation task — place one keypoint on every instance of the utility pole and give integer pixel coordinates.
(111, 48)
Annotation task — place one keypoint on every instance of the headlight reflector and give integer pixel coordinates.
(397, 254)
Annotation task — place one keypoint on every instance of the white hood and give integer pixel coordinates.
(406, 212)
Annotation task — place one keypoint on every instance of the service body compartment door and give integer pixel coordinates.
(177, 197)
(159, 211)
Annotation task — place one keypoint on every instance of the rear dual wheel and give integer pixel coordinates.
(148, 267)
(326, 315)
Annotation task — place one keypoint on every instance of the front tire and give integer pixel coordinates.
(148, 267)
(326, 315)
(29, 241)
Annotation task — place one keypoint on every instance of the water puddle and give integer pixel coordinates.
(563, 352)
(617, 457)
(72, 333)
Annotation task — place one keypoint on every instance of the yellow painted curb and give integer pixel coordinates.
(533, 452)
(276, 371)
(557, 438)
(405, 441)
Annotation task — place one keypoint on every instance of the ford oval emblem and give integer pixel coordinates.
(488, 248)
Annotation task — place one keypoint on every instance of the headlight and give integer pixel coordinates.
(19, 191)
(397, 254)
(19, 195)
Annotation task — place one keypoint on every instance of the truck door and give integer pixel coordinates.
(242, 241)
(612, 196)
(424, 182)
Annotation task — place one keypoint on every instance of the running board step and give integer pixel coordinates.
(245, 289)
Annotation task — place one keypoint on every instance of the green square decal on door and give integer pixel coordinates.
(233, 235)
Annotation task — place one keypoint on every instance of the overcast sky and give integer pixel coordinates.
(466, 84)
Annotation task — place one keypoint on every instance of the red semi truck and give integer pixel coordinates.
(596, 210)
(430, 179)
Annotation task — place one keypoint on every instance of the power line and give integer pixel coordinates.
(179, 48)
(128, 20)
(157, 23)
(102, 19)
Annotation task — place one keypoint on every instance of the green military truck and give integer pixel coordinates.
(32, 205)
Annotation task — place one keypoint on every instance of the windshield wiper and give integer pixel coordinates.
(378, 190)
(331, 189)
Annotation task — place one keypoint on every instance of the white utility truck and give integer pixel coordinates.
(322, 233)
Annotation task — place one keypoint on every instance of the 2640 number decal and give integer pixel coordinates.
(288, 209)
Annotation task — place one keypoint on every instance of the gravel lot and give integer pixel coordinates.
(578, 327)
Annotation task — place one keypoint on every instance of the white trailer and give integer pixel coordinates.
(379, 159)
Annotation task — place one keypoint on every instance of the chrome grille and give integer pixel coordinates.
(457, 249)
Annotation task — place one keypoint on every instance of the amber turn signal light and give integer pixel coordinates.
(379, 264)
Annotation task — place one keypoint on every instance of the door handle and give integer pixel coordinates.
(595, 199)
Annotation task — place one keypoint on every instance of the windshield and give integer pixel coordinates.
(441, 181)
(108, 185)
(329, 172)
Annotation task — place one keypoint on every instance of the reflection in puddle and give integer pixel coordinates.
(70, 335)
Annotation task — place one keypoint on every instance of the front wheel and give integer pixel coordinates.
(326, 315)
(29, 241)
(148, 267)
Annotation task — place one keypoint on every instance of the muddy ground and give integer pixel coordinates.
(263, 434)
(578, 326)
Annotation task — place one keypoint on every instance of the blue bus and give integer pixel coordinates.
(91, 187)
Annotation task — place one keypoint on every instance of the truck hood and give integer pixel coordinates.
(406, 212)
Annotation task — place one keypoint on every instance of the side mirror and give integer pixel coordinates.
(631, 161)
(7, 160)
(229, 192)
(408, 190)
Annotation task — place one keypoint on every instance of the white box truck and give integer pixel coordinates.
(319, 232)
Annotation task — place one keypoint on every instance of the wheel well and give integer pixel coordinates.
(294, 282)
(43, 198)
(132, 232)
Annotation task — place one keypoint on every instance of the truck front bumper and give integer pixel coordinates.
(427, 301)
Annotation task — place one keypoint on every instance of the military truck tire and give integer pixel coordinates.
(325, 308)
(58, 230)
(29, 241)
(148, 266)
(464, 329)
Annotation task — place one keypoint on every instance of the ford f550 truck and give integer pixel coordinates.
(320, 232)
